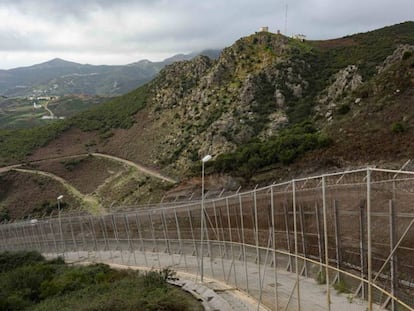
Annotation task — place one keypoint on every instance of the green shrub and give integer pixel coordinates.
(28, 281)
(13, 260)
(284, 148)
(47, 207)
(4, 214)
(321, 277)
(341, 287)
(398, 128)
(75, 278)
(25, 282)
(344, 109)
(71, 164)
(407, 55)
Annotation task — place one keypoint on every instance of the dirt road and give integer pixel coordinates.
(139, 167)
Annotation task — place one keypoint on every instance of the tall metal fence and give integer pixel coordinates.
(343, 241)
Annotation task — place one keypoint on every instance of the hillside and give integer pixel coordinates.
(61, 77)
(268, 107)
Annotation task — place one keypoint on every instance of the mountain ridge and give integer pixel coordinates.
(50, 77)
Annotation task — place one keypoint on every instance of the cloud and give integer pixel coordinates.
(96, 31)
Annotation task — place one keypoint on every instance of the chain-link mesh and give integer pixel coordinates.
(335, 242)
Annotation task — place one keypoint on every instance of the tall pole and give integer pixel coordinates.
(369, 239)
(203, 161)
(60, 223)
(325, 237)
(295, 229)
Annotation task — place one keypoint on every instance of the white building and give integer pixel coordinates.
(300, 37)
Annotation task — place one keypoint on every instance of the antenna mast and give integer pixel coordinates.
(286, 17)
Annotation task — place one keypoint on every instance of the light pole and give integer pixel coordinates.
(60, 222)
(58, 200)
(203, 161)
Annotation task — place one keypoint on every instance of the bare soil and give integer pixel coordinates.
(23, 193)
(71, 142)
(85, 173)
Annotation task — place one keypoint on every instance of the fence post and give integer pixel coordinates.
(219, 239)
(369, 239)
(272, 206)
(62, 240)
(362, 248)
(318, 228)
(95, 238)
(287, 228)
(195, 251)
(295, 229)
(141, 238)
(325, 234)
(338, 245)
(231, 244)
(303, 238)
(75, 245)
(53, 235)
(154, 239)
(105, 234)
(244, 243)
(44, 239)
(392, 246)
(256, 225)
(180, 242)
(166, 237)
(130, 242)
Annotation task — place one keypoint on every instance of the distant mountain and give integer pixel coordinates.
(61, 77)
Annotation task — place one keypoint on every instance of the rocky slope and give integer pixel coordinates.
(212, 107)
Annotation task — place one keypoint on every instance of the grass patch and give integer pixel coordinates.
(398, 128)
(341, 287)
(321, 277)
(30, 282)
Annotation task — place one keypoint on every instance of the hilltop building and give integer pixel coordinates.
(299, 37)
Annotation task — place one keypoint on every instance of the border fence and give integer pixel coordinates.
(291, 246)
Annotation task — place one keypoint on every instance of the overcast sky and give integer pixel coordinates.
(125, 31)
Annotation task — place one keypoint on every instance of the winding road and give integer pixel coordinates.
(90, 201)
(139, 167)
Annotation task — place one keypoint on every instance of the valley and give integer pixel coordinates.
(28, 112)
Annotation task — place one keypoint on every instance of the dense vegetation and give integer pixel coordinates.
(17, 144)
(29, 282)
(117, 113)
(366, 50)
(283, 148)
